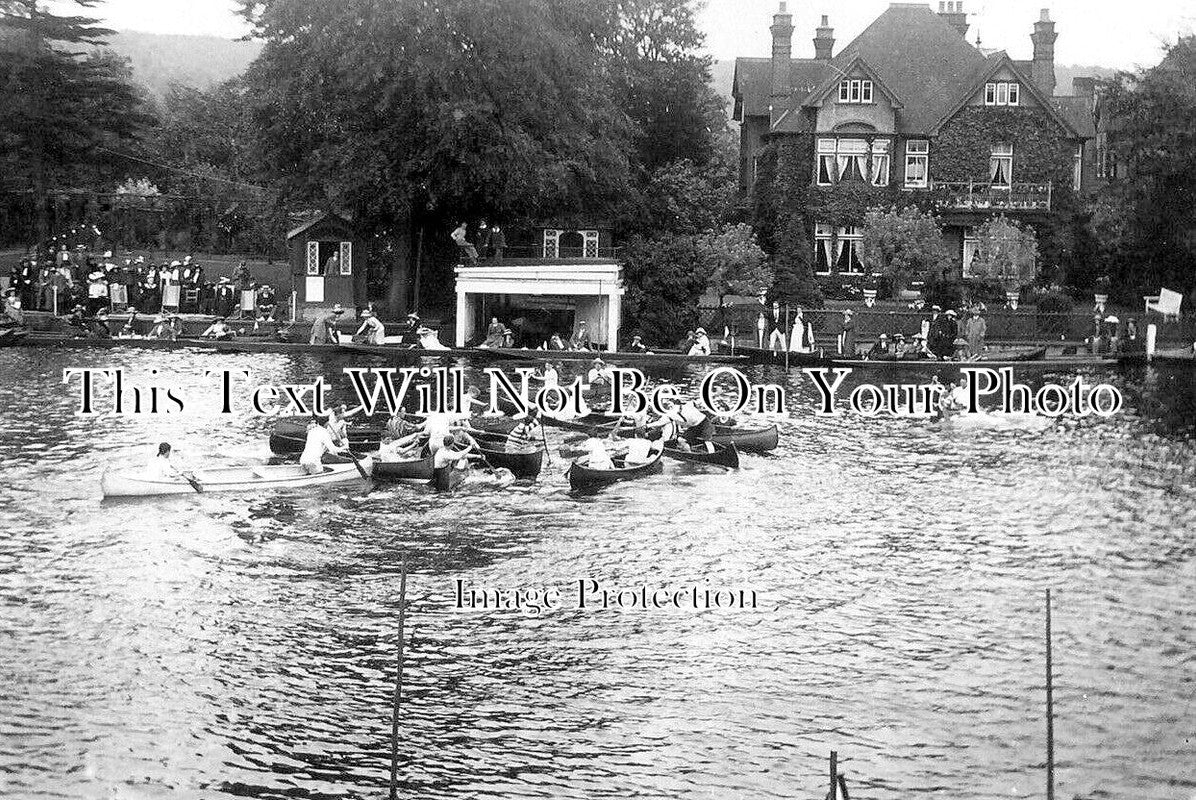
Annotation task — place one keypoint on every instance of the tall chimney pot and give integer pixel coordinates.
(1043, 68)
(824, 40)
(782, 53)
(953, 14)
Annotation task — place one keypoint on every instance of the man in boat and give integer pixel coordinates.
(446, 454)
(372, 331)
(318, 446)
(218, 330)
(161, 467)
(701, 345)
(527, 434)
(637, 345)
(323, 330)
(880, 349)
(599, 372)
(596, 454)
(338, 422)
(402, 448)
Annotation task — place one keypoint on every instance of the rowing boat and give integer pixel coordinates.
(705, 453)
(228, 479)
(415, 469)
(583, 477)
(12, 336)
(745, 439)
(290, 436)
(523, 463)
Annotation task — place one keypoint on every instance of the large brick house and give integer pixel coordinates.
(911, 112)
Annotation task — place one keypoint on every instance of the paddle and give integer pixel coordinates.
(544, 441)
(357, 464)
(190, 479)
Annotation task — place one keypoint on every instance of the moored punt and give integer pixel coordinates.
(718, 455)
(242, 345)
(408, 351)
(582, 476)
(229, 479)
(415, 469)
(289, 436)
(747, 440)
(524, 463)
(1003, 357)
(12, 336)
(618, 358)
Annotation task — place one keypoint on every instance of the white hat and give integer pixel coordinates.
(950, 312)
(176, 263)
(367, 313)
(1111, 318)
(337, 309)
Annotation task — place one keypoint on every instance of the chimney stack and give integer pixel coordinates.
(953, 14)
(1044, 37)
(782, 52)
(824, 40)
(1084, 87)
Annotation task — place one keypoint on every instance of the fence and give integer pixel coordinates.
(1023, 325)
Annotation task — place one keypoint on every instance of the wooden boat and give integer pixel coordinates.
(243, 345)
(230, 479)
(403, 352)
(525, 463)
(705, 453)
(747, 439)
(621, 358)
(585, 423)
(416, 469)
(583, 477)
(290, 435)
(10, 337)
(1014, 355)
(1174, 358)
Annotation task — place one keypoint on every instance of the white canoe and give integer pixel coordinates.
(227, 479)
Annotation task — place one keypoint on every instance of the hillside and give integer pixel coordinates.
(200, 61)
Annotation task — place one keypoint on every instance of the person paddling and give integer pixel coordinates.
(526, 435)
(319, 444)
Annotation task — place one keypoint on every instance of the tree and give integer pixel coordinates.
(415, 115)
(64, 111)
(665, 277)
(905, 245)
(733, 262)
(1152, 136)
(682, 197)
(793, 276)
(1006, 252)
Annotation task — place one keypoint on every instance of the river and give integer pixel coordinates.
(239, 645)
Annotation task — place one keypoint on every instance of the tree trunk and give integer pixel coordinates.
(402, 265)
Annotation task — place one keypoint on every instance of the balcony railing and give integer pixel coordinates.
(974, 196)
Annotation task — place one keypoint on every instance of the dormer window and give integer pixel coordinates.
(855, 91)
(1002, 93)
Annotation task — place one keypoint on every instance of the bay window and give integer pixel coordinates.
(1000, 166)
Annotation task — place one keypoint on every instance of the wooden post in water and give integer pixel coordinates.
(1050, 707)
(394, 723)
(785, 337)
(834, 775)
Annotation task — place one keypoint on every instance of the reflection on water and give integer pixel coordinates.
(244, 645)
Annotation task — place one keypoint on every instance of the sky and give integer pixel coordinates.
(1112, 33)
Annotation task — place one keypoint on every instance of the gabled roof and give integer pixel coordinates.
(993, 64)
(832, 81)
(752, 84)
(318, 218)
(923, 60)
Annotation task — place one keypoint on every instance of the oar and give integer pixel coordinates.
(544, 441)
(356, 463)
(191, 480)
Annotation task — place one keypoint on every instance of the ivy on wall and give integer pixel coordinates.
(964, 145)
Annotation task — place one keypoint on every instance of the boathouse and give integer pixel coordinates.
(554, 290)
(327, 265)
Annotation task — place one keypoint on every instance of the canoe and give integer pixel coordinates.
(228, 479)
(745, 439)
(522, 463)
(585, 423)
(706, 453)
(416, 469)
(290, 435)
(12, 336)
(582, 477)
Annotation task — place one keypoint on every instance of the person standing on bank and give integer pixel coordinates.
(323, 330)
(498, 242)
(776, 339)
(372, 331)
(974, 330)
(847, 334)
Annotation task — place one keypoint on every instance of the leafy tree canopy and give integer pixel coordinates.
(1007, 252)
(904, 245)
(734, 262)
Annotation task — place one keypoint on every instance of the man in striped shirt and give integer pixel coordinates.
(526, 435)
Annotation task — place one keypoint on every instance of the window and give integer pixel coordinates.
(1077, 173)
(826, 162)
(1002, 93)
(313, 258)
(851, 157)
(971, 248)
(823, 243)
(552, 243)
(589, 244)
(917, 163)
(1000, 166)
(855, 91)
(346, 258)
(880, 163)
(755, 169)
(847, 252)
(1102, 154)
